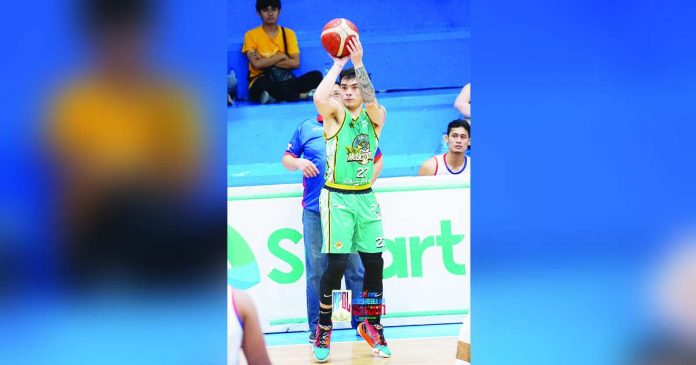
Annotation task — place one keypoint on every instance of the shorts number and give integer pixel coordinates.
(361, 172)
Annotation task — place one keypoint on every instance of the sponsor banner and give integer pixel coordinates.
(426, 257)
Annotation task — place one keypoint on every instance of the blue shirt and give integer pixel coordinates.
(308, 142)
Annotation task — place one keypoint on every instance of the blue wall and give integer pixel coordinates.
(415, 124)
(403, 43)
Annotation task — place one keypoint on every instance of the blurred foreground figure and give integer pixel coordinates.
(673, 340)
(126, 144)
(244, 330)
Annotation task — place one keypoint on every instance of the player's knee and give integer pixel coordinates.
(335, 269)
(338, 263)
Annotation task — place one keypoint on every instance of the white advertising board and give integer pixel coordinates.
(426, 261)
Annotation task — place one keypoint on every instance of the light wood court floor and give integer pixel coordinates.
(411, 351)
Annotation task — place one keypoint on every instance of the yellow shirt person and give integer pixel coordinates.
(271, 46)
(257, 40)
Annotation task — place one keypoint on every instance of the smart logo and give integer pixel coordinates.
(406, 253)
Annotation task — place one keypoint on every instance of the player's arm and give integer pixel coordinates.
(292, 163)
(291, 158)
(253, 344)
(463, 101)
(261, 63)
(288, 162)
(326, 105)
(374, 111)
(428, 167)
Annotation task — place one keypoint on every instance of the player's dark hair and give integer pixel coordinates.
(263, 4)
(349, 74)
(459, 123)
(107, 15)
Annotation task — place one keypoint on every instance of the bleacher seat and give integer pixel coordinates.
(408, 45)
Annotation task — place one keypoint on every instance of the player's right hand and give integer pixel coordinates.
(307, 167)
(355, 51)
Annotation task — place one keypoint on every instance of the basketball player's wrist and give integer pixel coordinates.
(358, 64)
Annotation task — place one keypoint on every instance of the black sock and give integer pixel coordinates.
(325, 317)
(372, 284)
(330, 281)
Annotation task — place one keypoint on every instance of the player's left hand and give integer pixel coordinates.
(356, 51)
(341, 62)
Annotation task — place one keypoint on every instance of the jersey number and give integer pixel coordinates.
(361, 172)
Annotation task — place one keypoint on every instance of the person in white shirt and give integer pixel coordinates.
(454, 161)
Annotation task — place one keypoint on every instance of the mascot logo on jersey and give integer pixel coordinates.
(359, 151)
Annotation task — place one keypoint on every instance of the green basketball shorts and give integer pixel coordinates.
(350, 222)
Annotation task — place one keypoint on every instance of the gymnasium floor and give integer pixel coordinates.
(406, 342)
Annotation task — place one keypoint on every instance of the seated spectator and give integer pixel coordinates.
(273, 52)
(463, 101)
(454, 161)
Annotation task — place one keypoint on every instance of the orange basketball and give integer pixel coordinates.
(336, 34)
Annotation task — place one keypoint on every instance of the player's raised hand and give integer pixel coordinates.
(356, 51)
(340, 61)
(307, 167)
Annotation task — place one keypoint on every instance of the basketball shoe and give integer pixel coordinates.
(374, 335)
(322, 343)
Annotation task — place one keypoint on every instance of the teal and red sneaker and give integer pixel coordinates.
(322, 343)
(374, 335)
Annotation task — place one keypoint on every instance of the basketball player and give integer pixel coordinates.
(243, 330)
(350, 214)
(454, 161)
(307, 152)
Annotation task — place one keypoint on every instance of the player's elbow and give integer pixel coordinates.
(319, 100)
(287, 162)
(463, 109)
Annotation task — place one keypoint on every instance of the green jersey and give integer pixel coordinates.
(350, 153)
